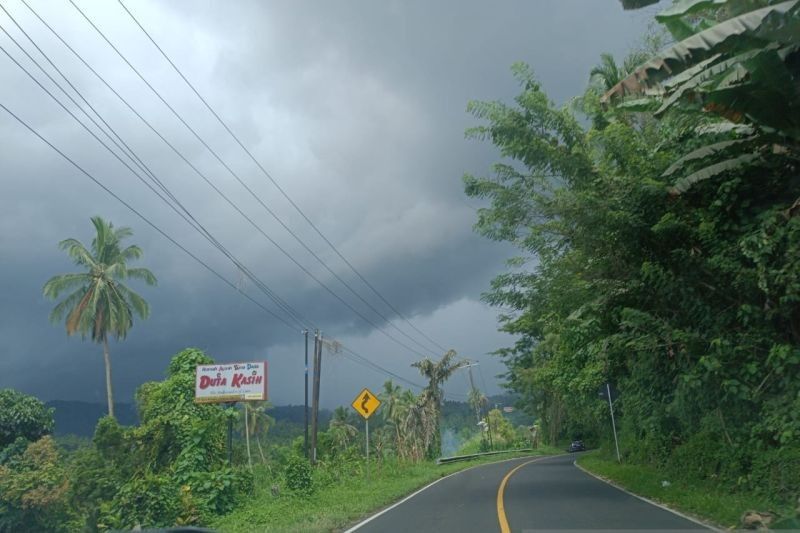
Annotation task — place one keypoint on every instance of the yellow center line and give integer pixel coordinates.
(501, 510)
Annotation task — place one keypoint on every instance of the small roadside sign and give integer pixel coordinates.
(366, 403)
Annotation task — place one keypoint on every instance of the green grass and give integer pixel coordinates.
(339, 503)
(700, 499)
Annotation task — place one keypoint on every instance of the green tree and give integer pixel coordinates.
(658, 246)
(23, 416)
(34, 491)
(341, 429)
(99, 304)
(502, 428)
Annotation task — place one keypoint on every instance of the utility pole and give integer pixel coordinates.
(478, 408)
(613, 423)
(305, 411)
(315, 394)
(472, 385)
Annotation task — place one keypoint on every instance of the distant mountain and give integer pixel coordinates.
(80, 418)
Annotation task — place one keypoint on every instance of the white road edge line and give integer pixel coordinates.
(429, 485)
(647, 500)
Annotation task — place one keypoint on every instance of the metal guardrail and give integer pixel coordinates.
(456, 458)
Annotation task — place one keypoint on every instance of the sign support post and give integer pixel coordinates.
(230, 440)
(305, 439)
(366, 404)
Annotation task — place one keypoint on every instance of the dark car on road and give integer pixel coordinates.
(576, 446)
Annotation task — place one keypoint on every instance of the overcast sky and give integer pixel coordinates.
(357, 110)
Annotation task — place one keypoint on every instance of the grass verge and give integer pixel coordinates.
(702, 500)
(344, 501)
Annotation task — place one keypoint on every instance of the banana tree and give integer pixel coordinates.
(431, 399)
(735, 60)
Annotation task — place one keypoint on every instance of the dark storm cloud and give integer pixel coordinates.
(357, 108)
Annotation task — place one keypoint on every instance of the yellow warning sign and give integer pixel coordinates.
(366, 403)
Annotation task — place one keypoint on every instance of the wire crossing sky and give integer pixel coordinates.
(307, 158)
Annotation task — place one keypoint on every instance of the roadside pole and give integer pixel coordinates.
(365, 404)
(315, 395)
(230, 434)
(305, 411)
(613, 423)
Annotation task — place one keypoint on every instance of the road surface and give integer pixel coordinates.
(545, 495)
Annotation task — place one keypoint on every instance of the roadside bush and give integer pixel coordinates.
(217, 492)
(776, 473)
(150, 500)
(94, 480)
(705, 456)
(298, 475)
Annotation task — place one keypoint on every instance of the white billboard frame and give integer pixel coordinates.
(231, 382)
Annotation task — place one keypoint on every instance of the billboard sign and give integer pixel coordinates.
(231, 382)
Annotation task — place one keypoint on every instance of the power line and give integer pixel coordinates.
(141, 216)
(352, 355)
(361, 360)
(261, 202)
(275, 183)
(128, 152)
(138, 162)
(193, 222)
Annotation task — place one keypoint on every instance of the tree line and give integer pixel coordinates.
(657, 222)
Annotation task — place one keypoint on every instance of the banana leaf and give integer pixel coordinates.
(703, 153)
(778, 23)
(736, 163)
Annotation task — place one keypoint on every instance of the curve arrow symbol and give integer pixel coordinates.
(364, 401)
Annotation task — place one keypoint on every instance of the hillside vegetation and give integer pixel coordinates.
(659, 233)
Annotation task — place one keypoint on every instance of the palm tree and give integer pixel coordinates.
(390, 398)
(607, 73)
(100, 304)
(341, 429)
(431, 399)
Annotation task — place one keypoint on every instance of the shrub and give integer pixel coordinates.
(217, 492)
(706, 456)
(777, 473)
(299, 478)
(149, 500)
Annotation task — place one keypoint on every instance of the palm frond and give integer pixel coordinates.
(131, 252)
(64, 282)
(76, 319)
(78, 252)
(142, 274)
(67, 304)
(136, 302)
(117, 270)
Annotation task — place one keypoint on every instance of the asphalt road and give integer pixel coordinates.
(546, 495)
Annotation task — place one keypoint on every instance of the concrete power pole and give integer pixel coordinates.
(472, 385)
(315, 394)
(478, 409)
(305, 411)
